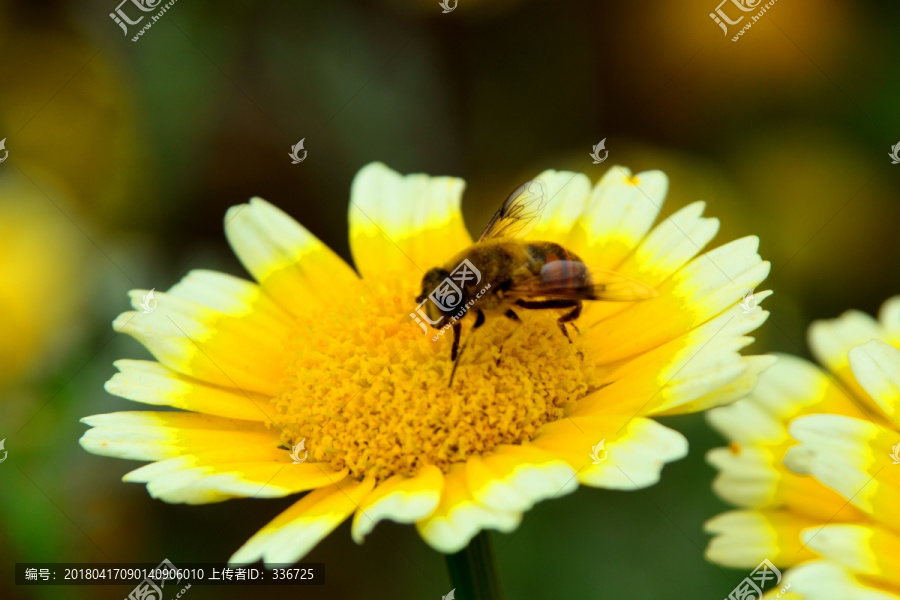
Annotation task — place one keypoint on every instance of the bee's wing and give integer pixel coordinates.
(518, 213)
(574, 280)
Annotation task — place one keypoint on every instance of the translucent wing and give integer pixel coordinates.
(519, 212)
(574, 280)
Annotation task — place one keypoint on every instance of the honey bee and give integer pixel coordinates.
(514, 273)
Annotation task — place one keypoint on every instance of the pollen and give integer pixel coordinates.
(633, 180)
(368, 389)
(735, 448)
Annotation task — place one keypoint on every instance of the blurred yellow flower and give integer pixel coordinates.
(828, 504)
(66, 112)
(315, 378)
(43, 283)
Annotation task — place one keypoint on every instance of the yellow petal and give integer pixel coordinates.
(240, 348)
(852, 457)
(620, 211)
(727, 392)
(459, 517)
(217, 475)
(830, 342)
(889, 317)
(401, 499)
(876, 366)
(149, 435)
(748, 423)
(293, 267)
(516, 477)
(233, 296)
(748, 477)
(743, 536)
(863, 549)
(671, 244)
(636, 449)
(567, 197)
(293, 533)
(755, 477)
(154, 383)
(794, 386)
(665, 250)
(679, 372)
(836, 450)
(826, 580)
(708, 286)
(404, 223)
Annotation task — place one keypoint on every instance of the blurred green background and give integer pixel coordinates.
(124, 156)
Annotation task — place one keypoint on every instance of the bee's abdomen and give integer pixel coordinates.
(546, 252)
(560, 267)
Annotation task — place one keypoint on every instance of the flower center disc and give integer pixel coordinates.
(368, 389)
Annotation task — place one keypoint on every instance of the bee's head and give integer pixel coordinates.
(430, 282)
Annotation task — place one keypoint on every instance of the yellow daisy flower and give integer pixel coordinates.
(828, 504)
(318, 353)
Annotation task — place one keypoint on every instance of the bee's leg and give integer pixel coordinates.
(562, 327)
(454, 355)
(479, 319)
(457, 329)
(575, 305)
(568, 318)
(573, 314)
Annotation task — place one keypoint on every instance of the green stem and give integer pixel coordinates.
(473, 570)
